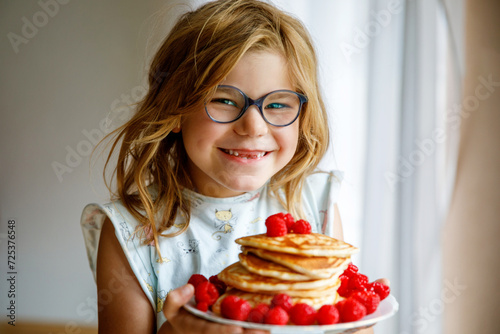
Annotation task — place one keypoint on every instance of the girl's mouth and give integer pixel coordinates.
(245, 154)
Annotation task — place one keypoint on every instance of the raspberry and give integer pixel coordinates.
(289, 222)
(372, 302)
(283, 300)
(351, 270)
(343, 290)
(221, 286)
(352, 310)
(303, 314)
(202, 306)
(358, 282)
(235, 308)
(380, 289)
(360, 296)
(369, 299)
(206, 292)
(276, 316)
(258, 313)
(301, 227)
(196, 279)
(340, 304)
(328, 315)
(276, 226)
(288, 218)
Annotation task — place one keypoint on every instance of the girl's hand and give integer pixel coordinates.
(181, 321)
(384, 281)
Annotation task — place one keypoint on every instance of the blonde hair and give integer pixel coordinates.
(201, 49)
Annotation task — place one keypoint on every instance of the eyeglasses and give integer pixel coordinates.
(278, 108)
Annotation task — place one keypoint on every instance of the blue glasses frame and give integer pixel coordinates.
(258, 102)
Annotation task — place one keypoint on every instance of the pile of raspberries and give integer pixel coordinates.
(281, 224)
(360, 298)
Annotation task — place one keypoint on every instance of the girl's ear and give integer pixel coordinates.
(177, 128)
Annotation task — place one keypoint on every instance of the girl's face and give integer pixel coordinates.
(229, 159)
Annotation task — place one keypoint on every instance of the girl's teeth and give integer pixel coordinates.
(248, 156)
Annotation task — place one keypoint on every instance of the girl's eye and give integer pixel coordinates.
(276, 106)
(225, 101)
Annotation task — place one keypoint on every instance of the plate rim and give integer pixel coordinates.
(368, 320)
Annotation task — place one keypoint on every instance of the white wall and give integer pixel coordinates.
(79, 65)
(58, 82)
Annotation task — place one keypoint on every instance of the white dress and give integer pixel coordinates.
(208, 244)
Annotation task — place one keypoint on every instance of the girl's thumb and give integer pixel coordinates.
(176, 299)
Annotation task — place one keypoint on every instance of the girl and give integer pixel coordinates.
(231, 131)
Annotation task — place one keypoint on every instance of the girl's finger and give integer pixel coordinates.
(384, 281)
(187, 323)
(176, 299)
(255, 331)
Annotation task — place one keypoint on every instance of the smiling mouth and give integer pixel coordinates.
(245, 155)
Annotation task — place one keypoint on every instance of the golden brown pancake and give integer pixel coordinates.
(313, 244)
(313, 267)
(239, 277)
(256, 265)
(315, 293)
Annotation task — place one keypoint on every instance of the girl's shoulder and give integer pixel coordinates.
(125, 225)
(325, 177)
(93, 215)
(321, 191)
(323, 183)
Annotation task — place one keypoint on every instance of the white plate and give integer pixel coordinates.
(386, 309)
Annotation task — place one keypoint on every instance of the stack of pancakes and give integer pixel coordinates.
(304, 266)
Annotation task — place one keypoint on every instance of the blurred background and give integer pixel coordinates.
(412, 88)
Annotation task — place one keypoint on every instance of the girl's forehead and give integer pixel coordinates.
(259, 72)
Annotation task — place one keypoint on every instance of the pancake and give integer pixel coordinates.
(312, 267)
(256, 265)
(239, 277)
(256, 298)
(313, 244)
(316, 293)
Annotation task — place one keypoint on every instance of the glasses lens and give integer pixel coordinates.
(226, 104)
(281, 108)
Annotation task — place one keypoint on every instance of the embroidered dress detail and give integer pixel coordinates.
(208, 244)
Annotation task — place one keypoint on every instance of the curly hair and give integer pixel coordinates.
(199, 52)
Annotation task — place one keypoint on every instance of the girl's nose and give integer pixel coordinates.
(251, 123)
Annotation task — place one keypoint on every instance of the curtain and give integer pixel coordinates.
(391, 73)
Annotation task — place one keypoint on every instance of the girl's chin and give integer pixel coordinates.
(233, 189)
